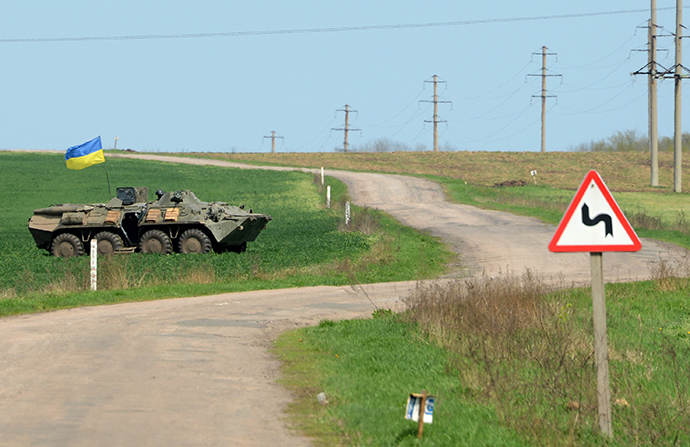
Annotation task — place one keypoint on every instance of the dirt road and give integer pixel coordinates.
(197, 372)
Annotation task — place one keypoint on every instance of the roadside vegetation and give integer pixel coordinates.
(510, 360)
(304, 244)
(630, 140)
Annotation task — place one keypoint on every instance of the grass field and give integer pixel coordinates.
(469, 178)
(510, 362)
(304, 244)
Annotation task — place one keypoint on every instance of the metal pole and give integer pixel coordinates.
(115, 146)
(601, 350)
(653, 132)
(677, 131)
(543, 99)
(435, 113)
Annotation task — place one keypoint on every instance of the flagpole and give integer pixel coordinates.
(107, 177)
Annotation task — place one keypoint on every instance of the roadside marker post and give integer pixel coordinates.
(420, 408)
(94, 264)
(322, 175)
(594, 223)
(328, 196)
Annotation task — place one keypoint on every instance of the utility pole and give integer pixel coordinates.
(652, 76)
(347, 128)
(273, 140)
(543, 95)
(678, 76)
(677, 129)
(436, 102)
(653, 129)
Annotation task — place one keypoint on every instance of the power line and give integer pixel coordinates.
(324, 30)
(482, 96)
(381, 124)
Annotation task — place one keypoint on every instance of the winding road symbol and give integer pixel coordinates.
(608, 222)
(580, 229)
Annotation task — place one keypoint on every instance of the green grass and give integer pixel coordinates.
(496, 385)
(367, 368)
(662, 216)
(303, 245)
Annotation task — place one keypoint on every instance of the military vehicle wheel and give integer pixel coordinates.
(66, 245)
(155, 241)
(108, 242)
(194, 241)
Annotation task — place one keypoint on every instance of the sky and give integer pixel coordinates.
(228, 73)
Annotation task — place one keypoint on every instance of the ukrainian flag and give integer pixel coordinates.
(85, 155)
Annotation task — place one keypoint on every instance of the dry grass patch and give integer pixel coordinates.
(623, 171)
(511, 347)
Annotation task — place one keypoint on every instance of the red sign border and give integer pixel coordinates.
(593, 175)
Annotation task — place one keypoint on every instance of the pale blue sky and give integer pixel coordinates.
(227, 93)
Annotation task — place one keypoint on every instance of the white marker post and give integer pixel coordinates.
(94, 264)
(322, 175)
(348, 216)
(594, 223)
(328, 196)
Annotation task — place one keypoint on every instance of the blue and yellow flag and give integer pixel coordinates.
(85, 155)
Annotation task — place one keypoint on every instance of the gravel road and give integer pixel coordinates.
(197, 371)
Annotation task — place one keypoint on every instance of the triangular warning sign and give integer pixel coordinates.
(594, 222)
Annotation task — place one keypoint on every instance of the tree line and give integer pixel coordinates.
(628, 141)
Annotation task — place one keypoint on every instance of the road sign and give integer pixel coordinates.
(413, 410)
(593, 222)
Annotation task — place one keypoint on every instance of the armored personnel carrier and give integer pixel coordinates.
(177, 220)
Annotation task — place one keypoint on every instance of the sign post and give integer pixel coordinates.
(601, 345)
(420, 408)
(594, 223)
